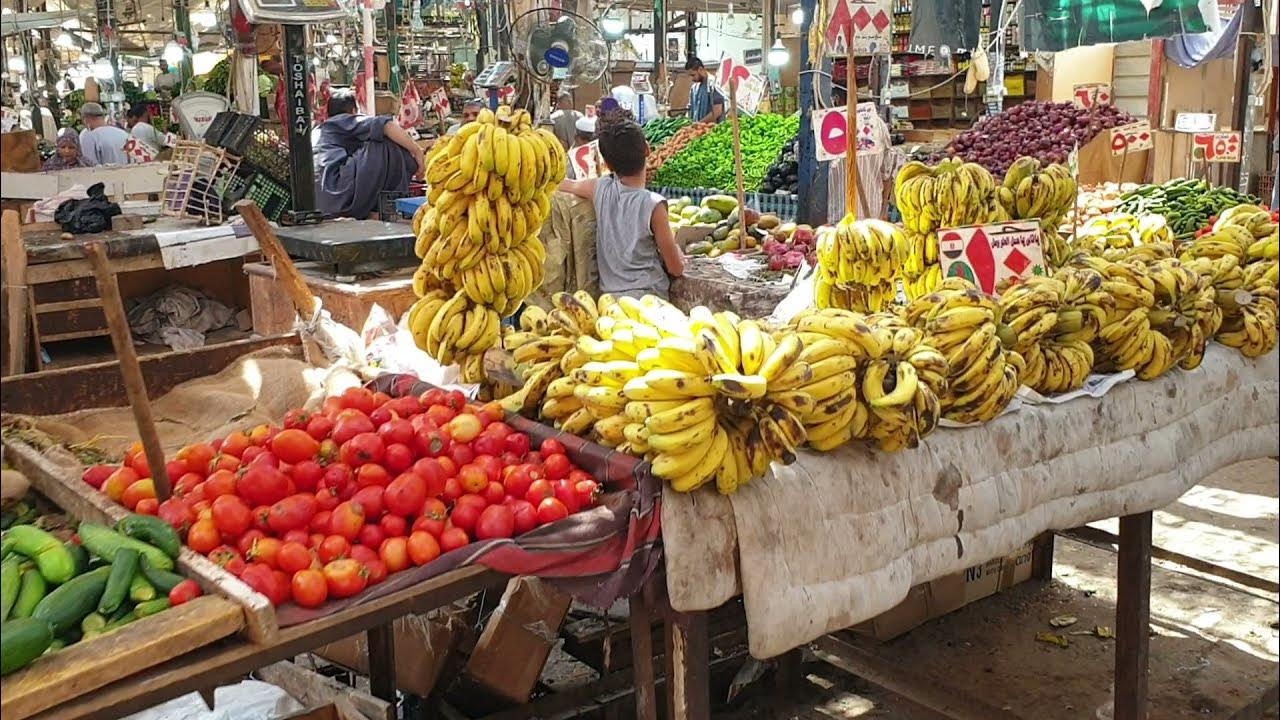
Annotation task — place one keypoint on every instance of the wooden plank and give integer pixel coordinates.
(64, 305)
(1257, 709)
(1133, 617)
(688, 673)
(212, 666)
(15, 293)
(313, 689)
(928, 691)
(99, 385)
(382, 662)
(91, 664)
(511, 651)
(641, 621)
(1042, 557)
(40, 273)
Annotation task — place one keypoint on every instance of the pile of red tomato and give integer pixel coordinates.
(337, 500)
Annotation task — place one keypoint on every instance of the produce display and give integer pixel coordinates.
(1242, 269)
(659, 156)
(1092, 201)
(1047, 131)
(57, 593)
(1186, 203)
(707, 161)
(335, 501)
(788, 245)
(783, 176)
(659, 130)
(713, 210)
(857, 261)
(477, 234)
(1115, 235)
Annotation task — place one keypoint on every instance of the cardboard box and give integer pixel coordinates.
(508, 657)
(691, 234)
(1098, 165)
(423, 647)
(947, 594)
(1016, 85)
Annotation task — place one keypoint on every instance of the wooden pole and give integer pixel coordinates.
(737, 160)
(851, 136)
(15, 292)
(303, 300)
(134, 385)
(1133, 617)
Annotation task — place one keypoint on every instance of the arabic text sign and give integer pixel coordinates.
(1218, 146)
(863, 25)
(1131, 138)
(1086, 95)
(991, 255)
(831, 132)
(1190, 122)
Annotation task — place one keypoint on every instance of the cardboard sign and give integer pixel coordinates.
(860, 27)
(1218, 146)
(1131, 138)
(750, 93)
(1195, 122)
(730, 71)
(1086, 95)
(586, 161)
(830, 131)
(988, 255)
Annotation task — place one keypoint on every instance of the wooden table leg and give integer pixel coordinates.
(1042, 557)
(790, 672)
(14, 271)
(382, 662)
(642, 656)
(1133, 615)
(688, 666)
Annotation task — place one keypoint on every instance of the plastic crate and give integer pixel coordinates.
(272, 197)
(232, 131)
(387, 205)
(784, 206)
(268, 154)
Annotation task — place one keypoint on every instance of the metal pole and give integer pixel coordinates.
(690, 33)
(298, 112)
(393, 45)
(812, 201)
(659, 46)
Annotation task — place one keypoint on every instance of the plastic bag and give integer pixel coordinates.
(246, 699)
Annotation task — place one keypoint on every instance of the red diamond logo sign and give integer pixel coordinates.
(881, 21)
(861, 19)
(1016, 261)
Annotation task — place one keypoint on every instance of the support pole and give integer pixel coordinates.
(688, 657)
(1133, 617)
(382, 662)
(737, 160)
(366, 41)
(690, 33)
(851, 188)
(298, 114)
(811, 189)
(393, 45)
(182, 23)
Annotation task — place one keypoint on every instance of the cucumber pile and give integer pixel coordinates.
(1186, 203)
(57, 593)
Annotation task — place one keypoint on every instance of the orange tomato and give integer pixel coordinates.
(118, 482)
(137, 490)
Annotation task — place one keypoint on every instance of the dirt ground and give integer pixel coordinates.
(1214, 645)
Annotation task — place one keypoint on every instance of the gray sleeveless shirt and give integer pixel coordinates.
(626, 253)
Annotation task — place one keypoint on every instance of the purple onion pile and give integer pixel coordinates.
(1047, 131)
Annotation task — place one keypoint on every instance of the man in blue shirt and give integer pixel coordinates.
(706, 104)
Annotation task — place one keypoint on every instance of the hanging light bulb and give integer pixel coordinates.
(173, 52)
(204, 18)
(64, 40)
(612, 27)
(797, 16)
(103, 70)
(17, 64)
(731, 15)
(778, 54)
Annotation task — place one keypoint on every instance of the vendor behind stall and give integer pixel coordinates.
(706, 104)
(584, 131)
(137, 117)
(636, 252)
(66, 153)
(470, 111)
(564, 119)
(359, 157)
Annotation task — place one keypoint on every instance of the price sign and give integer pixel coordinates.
(1217, 146)
(750, 92)
(860, 27)
(1195, 122)
(731, 71)
(990, 255)
(440, 102)
(831, 132)
(1131, 138)
(1087, 95)
(586, 161)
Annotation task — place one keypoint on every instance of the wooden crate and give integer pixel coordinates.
(348, 303)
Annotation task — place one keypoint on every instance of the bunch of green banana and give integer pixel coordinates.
(1247, 299)
(1128, 341)
(477, 234)
(1048, 193)
(963, 324)
(1120, 236)
(1054, 320)
(857, 263)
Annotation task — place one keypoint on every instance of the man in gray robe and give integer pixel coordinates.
(358, 157)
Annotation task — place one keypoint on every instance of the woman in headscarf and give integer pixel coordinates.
(66, 153)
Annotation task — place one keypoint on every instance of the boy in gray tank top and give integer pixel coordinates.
(636, 250)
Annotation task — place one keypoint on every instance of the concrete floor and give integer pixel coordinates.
(1215, 646)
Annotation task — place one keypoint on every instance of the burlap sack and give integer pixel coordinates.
(570, 238)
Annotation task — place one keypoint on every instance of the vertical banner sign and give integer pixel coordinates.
(831, 132)
(1131, 138)
(861, 25)
(1218, 146)
(586, 161)
(1087, 95)
(298, 110)
(991, 255)
(440, 103)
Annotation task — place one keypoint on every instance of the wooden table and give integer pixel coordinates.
(706, 282)
(348, 303)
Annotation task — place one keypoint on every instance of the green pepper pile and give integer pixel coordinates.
(707, 162)
(660, 130)
(1186, 203)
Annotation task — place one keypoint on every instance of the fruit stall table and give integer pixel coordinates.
(707, 282)
(963, 497)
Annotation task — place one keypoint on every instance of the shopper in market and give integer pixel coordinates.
(584, 132)
(636, 251)
(565, 119)
(359, 157)
(143, 131)
(470, 111)
(100, 141)
(66, 154)
(706, 104)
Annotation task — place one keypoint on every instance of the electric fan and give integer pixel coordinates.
(550, 44)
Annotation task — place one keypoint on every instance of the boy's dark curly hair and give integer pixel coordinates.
(622, 142)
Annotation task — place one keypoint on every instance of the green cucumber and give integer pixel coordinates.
(22, 641)
(151, 607)
(79, 555)
(51, 557)
(92, 623)
(56, 645)
(140, 590)
(152, 530)
(10, 581)
(104, 542)
(163, 580)
(121, 621)
(67, 605)
(123, 569)
(30, 593)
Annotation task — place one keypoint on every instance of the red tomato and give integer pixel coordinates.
(432, 519)
(494, 493)
(262, 579)
(449, 465)
(497, 521)
(394, 553)
(516, 444)
(266, 551)
(262, 519)
(294, 446)
(310, 588)
(372, 535)
(473, 478)
(246, 541)
(119, 481)
(499, 429)
(220, 482)
(147, 506)
(363, 448)
(177, 512)
(377, 571)
(292, 512)
(452, 490)
(453, 538)
(203, 510)
(406, 406)
(256, 455)
(230, 463)
(434, 396)
(184, 592)
(331, 406)
(440, 415)
(345, 578)
(349, 424)
(260, 435)
(320, 427)
(465, 516)
(588, 492)
(139, 464)
(297, 418)
(405, 494)
(381, 415)
(198, 457)
(327, 499)
(372, 475)
(137, 490)
(347, 519)
(96, 475)
(472, 499)
(567, 494)
(262, 485)
(539, 490)
(556, 466)
(551, 446)
(516, 480)
(175, 469)
(492, 467)
(455, 400)
(524, 516)
(396, 431)
(227, 558)
(307, 474)
(186, 483)
(293, 557)
(336, 475)
(431, 442)
(551, 510)
(359, 398)
(432, 474)
(370, 498)
(231, 515)
(464, 428)
(363, 553)
(298, 536)
(333, 548)
(422, 547)
(394, 525)
(397, 458)
(487, 444)
(235, 444)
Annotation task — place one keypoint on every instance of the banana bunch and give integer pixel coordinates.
(1048, 193)
(1264, 246)
(963, 324)
(1129, 341)
(857, 262)
(1054, 320)
(952, 194)
(1121, 236)
(1186, 310)
(545, 350)
(1247, 299)
(477, 234)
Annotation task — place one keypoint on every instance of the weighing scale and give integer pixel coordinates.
(294, 15)
(347, 249)
(495, 77)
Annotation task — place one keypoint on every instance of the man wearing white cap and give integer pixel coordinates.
(584, 133)
(100, 141)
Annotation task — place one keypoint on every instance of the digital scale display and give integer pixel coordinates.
(496, 75)
(292, 12)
